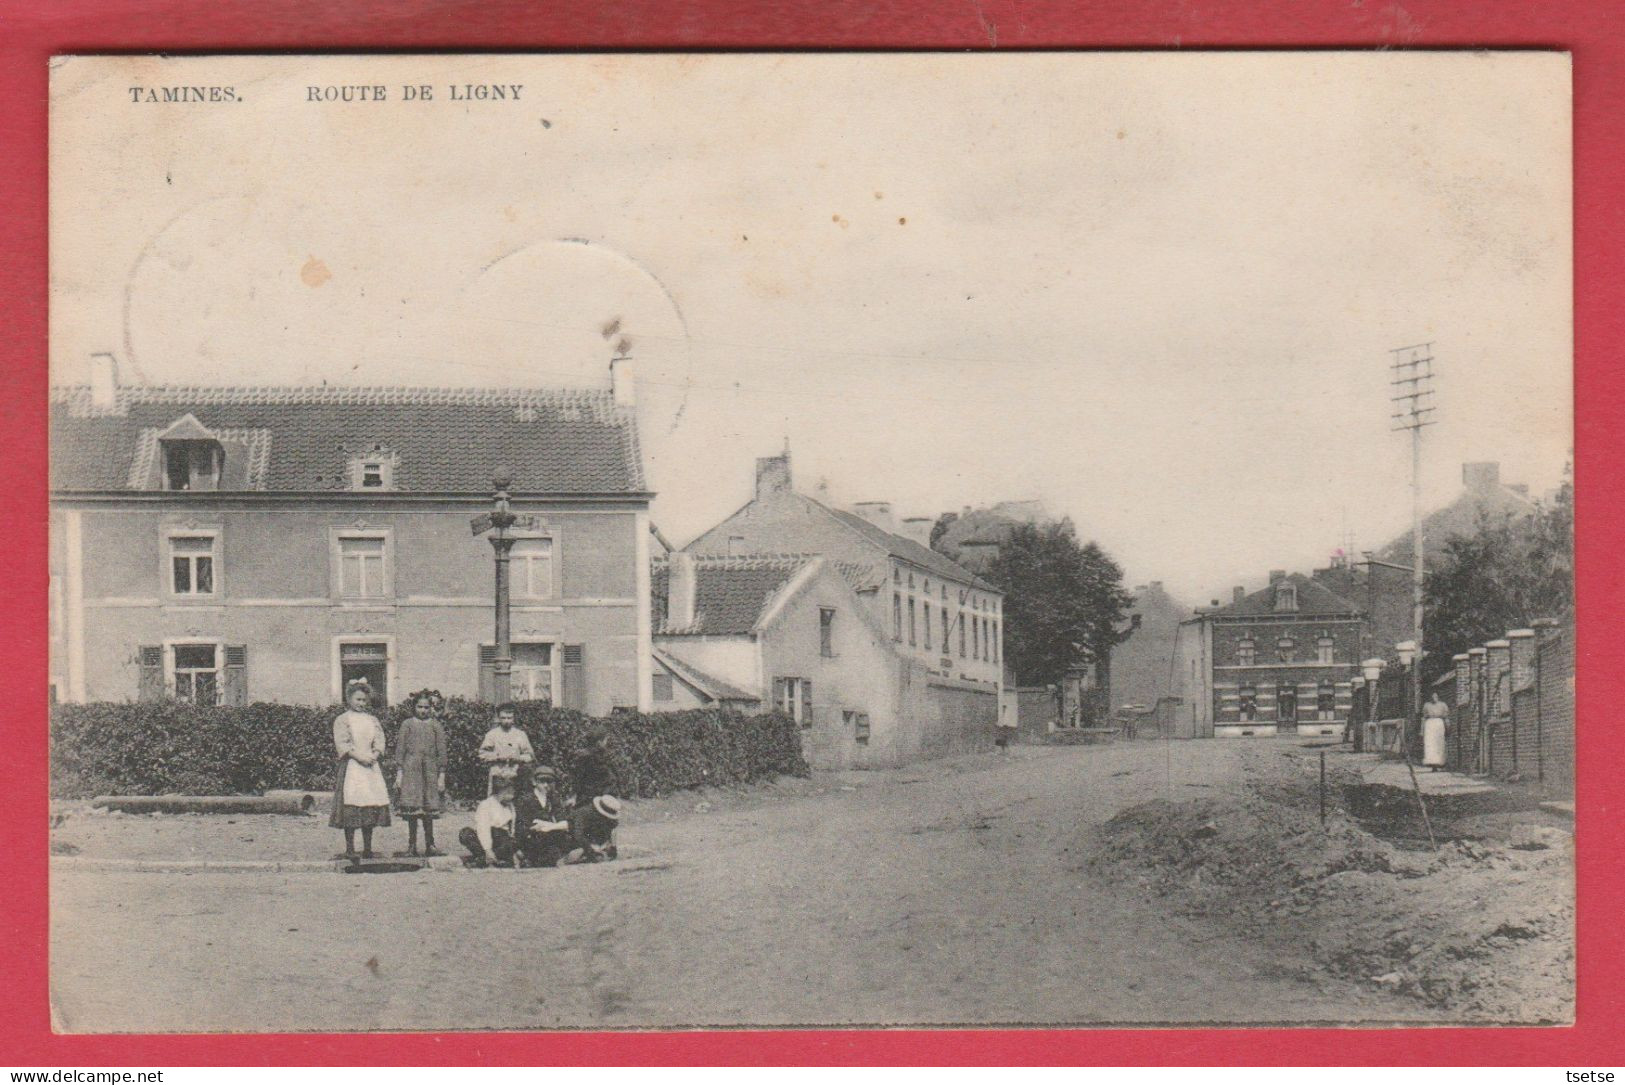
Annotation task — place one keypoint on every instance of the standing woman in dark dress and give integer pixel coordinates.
(360, 796)
(420, 782)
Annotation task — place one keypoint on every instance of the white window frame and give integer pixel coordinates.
(791, 704)
(170, 680)
(337, 657)
(166, 563)
(555, 657)
(336, 559)
(520, 589)
(1325, 650)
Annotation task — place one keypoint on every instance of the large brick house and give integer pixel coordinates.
(1280, 660)
(268, 544)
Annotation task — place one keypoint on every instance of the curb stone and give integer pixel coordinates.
(223, 866)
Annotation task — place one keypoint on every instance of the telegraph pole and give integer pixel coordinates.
(1412, 381)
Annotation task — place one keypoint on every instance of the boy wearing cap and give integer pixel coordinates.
(539, 814)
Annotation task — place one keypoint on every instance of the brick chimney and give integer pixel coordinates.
(103, 382)
(877, 513)
(1480, 477)
(772, 475)
(1238, 593)
(680, 588)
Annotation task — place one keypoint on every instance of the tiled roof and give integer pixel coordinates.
(730, 592)
(909, 550)
(708, 684)
(1314, 600)
(301, 439)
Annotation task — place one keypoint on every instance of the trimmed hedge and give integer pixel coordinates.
(163, 747)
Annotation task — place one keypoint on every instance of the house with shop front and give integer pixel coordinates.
(792, 633)
(216, 544)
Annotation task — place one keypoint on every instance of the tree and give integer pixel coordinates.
(940, 528)
(1063, 605)
(1505, 575)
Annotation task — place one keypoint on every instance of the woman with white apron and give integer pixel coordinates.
(360, 796)
(1434, 715)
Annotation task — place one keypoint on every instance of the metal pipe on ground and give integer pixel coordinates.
(280, 802)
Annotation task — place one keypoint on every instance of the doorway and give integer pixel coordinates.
(369, 661)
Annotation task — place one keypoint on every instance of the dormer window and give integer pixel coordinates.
(374, 470)
(193, 458)
(1286, 597)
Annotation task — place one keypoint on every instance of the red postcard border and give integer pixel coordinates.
(1587, 28)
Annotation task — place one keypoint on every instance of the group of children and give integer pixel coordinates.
(529, 817)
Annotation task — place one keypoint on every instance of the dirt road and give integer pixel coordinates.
(951, 893)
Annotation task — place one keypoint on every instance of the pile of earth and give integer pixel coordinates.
(1481, 927)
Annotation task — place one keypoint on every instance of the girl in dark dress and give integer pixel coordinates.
(420, 781)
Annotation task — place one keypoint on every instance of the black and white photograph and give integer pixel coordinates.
(811, 540)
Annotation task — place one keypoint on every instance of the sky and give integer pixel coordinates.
(1156, 292)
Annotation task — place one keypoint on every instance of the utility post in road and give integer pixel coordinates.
(1412, 381)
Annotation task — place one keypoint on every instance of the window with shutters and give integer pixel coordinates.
(573, 676)
(193, 564)
(195, 673)
(532, 676)
(913, 626)
(925, 622)
(363, 565)
(153, 681)
(826, 632)
(858, 722)
(793, 697)
(531, 569)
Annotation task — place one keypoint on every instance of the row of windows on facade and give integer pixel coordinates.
(1286, 702)
(981, 641)
(967, 598)
(793, 697)
(362, 566)
(1286, 651)
(211, 673)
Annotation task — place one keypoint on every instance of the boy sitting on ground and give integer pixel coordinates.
(492, 837)
(539, 817)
